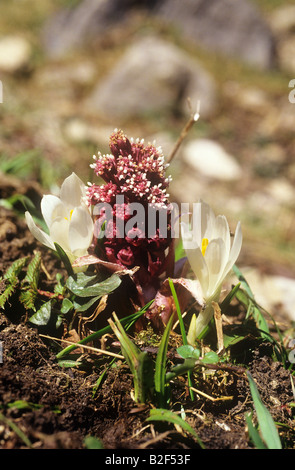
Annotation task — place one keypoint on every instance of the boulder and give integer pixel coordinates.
(72, 27)
(153, 75)
(233, 28)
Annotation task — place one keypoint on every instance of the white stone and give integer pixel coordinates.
(286, 287)
(282, 20)
(210, 159)
(283, 191)
(250, 98)
(78, 130)
(15, 53)
(286, 54)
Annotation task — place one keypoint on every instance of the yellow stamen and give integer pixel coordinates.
(205, 243)
(71, 213)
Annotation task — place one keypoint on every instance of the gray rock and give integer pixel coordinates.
(153, 75)
(234, 28)
(72, 27)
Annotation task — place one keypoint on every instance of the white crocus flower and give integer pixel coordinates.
(68, 219)
(211, 256)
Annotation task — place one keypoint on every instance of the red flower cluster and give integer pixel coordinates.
(136, 173)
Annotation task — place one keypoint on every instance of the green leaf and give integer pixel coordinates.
(66, 306)
(14, 270)
(59, 287)
(11, 279)
(27, 298)
(33, 271)
(231, 339)
(29, 284)
(67, 363)
(210, 357)
(82, 307)
(9, 290)
(92, 442)
(159, 414)
(187, 351)
(94, 290)
(42, 316)
(267, 426)
(181, 369)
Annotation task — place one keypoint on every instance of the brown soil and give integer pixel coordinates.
(60, 407)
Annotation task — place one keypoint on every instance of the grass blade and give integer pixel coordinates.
(64, 258)
(160, 368)
(268, 430)
(138, 362)
(180, 319)
(182, 330)
(171, 417)
(250, 302)
(16, 429)
(253, 433)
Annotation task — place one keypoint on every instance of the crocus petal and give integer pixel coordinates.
(72, 191)
(203, 221)
(52, 207)
(221, 230)
(59, 232)
(80, 230)
(211, 257)
(235, 249)
(199, 267)
(216, 259)
(41, 236)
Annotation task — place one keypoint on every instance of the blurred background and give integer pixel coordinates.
(74, 70)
